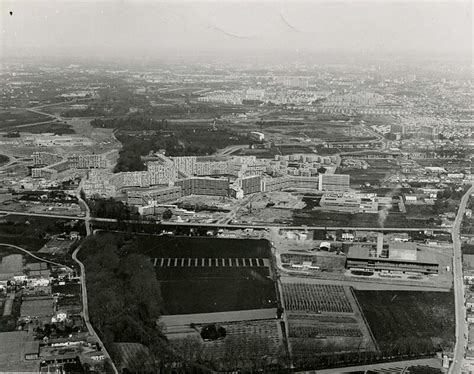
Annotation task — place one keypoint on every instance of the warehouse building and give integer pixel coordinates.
(400, 258)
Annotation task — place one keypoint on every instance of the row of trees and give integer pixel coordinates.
(124, 294)
(110, 208)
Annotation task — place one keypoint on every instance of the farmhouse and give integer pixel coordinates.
(402, 258)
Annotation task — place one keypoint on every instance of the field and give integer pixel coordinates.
(12, 118)
(409, 321)
(374, 174)
(30, 232)
(334, 219)
(324, 324)
(3, 159)
(54, 127)
(201, 247)
(203, 275)
(247, 344)
(315, 298)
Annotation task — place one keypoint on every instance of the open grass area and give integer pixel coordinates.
(11, 118)
(409, 321)
(30, 243)
(51, 127)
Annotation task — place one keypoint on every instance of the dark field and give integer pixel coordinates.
(11, 118)
(54, 127)
(203, 295)
(374, 174)
(409, 320)
(335, 219)
(30, 232)
(27, 242)
(241, 283)
(201, 247)
(3, 159)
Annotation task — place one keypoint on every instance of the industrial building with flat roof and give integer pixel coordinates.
(400, 258)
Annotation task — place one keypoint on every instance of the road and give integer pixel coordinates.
(232, 226)
(230, 149)
(85, 304)
(85, 308)
(461, 323)
(34, 256)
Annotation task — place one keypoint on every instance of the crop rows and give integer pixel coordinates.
(321, 318)
(321, 331)
(245, 340)
(315, 298)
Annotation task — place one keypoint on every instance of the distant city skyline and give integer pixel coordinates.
(155, 29)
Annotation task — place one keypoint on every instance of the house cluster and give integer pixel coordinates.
(46, 330)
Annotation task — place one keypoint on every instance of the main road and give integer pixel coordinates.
(229, 226)
(461, 323)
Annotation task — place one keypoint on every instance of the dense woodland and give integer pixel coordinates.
(141, 134)
(124, 294)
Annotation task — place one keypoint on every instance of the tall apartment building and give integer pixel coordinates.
(159, 194)
(429, 132)
(98, 183)
(162, 173)
(131, 179)
(334, 182)
(186, 164)
(45, 158)
(275, 184)
(204, 186)
(211, 167)
(250, 185)
(96, 161)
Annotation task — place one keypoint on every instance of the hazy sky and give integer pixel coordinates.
(147, 28)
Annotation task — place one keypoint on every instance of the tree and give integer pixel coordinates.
(167, 214)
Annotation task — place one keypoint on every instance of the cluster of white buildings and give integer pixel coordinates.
(47, 165)
(169, 178)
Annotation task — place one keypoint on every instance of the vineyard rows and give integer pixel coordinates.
(315, 298)
(320, 318)
(320, 331)
(245, 340)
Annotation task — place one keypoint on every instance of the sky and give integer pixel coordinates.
(152, 29)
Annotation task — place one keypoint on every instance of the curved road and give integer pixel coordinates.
(85, 308)
(461, 323)
(34, 256)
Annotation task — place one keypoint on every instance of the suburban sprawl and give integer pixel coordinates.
(206, 217)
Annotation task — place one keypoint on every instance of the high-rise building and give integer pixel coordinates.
(204, 186)
(334, 182)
